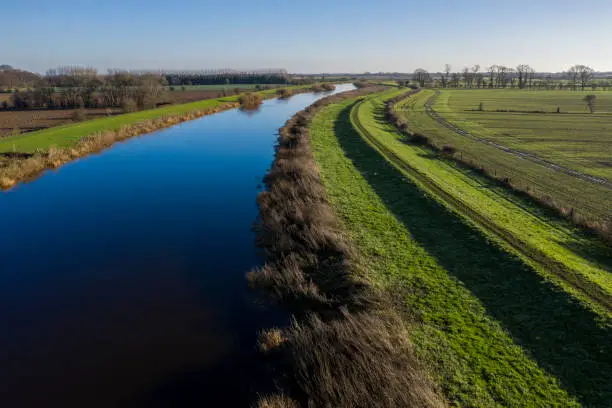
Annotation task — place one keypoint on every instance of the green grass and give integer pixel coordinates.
(489, 328)
(69, 135)
(575, 138)
(584, 258)
(588, 199)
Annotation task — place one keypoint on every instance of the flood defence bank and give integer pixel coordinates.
(345, 345)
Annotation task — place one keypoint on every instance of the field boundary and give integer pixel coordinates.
(432, 113)
(586, 288)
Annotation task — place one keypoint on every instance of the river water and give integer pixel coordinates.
(122, 274)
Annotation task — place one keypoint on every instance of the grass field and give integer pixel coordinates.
(578, 263)
(533, 133)
(574, 138)
(69, 135)
(491, 328)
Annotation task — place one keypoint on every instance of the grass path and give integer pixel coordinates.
(491, 330)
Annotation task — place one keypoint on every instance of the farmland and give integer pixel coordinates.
(527, 120)
(575, 140)
(496, 323)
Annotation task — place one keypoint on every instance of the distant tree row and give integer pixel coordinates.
(78, 87)
(227, 78)
(501, 76)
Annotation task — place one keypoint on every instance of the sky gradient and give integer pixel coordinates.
(310, 36)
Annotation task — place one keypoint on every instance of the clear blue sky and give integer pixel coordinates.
(307, 36)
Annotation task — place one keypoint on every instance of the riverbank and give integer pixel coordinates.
(315, 272)
(26, 156)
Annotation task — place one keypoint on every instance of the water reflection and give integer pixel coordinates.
(122, 279)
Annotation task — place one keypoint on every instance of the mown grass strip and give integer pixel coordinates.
(492, 331)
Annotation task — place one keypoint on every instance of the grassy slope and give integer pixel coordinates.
(575, 138)
(588, 199)
(586, 258)
(474, 303)
(68, 135)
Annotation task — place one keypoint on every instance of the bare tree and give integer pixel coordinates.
(522, 72)
(590, 101)
(421, 76)
(447, 71)
(492, 74)
(585, 75)
(455, 79)
(580, 75)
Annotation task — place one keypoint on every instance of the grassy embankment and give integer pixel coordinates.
(491, 329)
(573, 138)
(579, 263)
(25, 156)
(345, 347)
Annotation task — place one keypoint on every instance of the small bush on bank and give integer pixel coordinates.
(250, 100)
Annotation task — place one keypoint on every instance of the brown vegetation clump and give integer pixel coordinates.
(345, 347)
(271, 339)
(276, 401)
(285, 93)
(324, 87)
(250, 100)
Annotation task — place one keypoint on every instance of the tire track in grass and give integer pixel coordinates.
(478, 364)
(432, 113)
(589, 289)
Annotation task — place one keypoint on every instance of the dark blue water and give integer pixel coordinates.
(122, 274)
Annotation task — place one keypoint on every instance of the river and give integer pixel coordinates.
(122, 273)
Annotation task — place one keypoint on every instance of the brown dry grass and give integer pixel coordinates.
(346, 347)
(276, 401)
(250, 100)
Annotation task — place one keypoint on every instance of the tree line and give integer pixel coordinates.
(501, 76)
(78, 87)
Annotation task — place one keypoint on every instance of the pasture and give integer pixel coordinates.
(527, 120)
(538, 134)
(482, 321)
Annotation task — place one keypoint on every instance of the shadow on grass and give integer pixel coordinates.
(558, 332)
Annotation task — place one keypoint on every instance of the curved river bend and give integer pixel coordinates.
(122, 274)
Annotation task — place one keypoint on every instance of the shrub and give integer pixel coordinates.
(284, 93)
(250, 100)
(79, 115)
(590, 101)
(129, 105)
(171, 89)
(448, 150)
